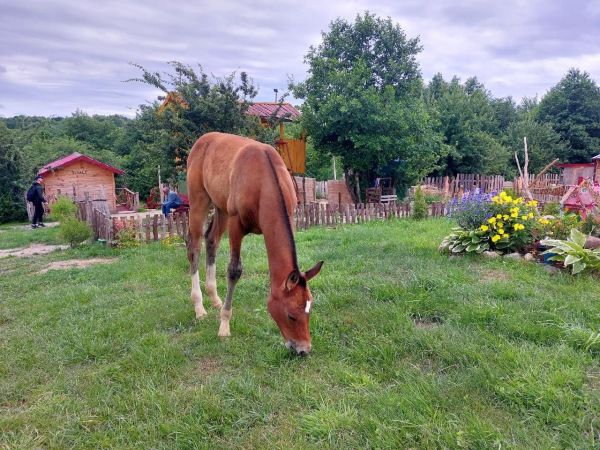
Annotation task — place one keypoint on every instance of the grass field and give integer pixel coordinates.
(411, 349)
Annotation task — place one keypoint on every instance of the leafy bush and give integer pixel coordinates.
(465, 241)
(590, 225)
(63, 209)
(560, 227)
(571, 252)
(74, 231)
(471, 210)
(126, 235)
(420, 205)
(551, 209)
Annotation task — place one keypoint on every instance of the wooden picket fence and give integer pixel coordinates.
(155, 227)
(328, 214)
(465, 182)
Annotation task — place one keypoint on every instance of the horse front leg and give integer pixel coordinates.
(234, 273)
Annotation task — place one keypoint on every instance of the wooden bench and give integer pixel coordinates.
(388, 198)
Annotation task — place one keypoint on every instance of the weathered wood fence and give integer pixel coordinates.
(156, 226)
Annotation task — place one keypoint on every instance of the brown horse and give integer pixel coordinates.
(252, 192)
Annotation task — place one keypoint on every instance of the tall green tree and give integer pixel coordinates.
(363, 99)
(196, 104)
(12, 186)
(572, 107)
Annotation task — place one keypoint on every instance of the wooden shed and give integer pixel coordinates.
(77, 175)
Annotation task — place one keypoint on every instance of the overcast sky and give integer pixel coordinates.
(60, 56)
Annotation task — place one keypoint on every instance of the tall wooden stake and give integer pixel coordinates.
(160, 187)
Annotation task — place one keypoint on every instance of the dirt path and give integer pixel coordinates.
(79, 263)
(33, 249)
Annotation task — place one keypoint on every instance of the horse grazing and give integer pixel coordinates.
(252, 192)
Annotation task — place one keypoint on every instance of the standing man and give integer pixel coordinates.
(172, 200)
(35, 195)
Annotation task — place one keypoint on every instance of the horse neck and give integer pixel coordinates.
(280, 245)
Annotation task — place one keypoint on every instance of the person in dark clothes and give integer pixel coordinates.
(172, 200)
(38, 201)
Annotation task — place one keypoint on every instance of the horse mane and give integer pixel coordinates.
(284, 211)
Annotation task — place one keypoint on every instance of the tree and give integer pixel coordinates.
(363, 99)
(193, 104)
(572, 107)
(12, 202)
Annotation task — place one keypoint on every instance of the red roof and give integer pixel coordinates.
(267, 109)
(73, 158)
(562, 166)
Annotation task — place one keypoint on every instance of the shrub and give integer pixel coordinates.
(465, 241)
(63, 208)
(126, 235)
(551, 209)
(74, 231)
(420, 205)
(471, 210)
(590, 225)
(560, 227)
(571, 252)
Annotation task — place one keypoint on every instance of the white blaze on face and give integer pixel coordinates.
(308, 305)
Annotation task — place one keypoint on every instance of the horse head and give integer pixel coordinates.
(290, 305)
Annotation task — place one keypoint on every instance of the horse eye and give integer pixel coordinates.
(292, 318)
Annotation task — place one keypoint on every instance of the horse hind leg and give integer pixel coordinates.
(234, 273)
(213, 238)
(197, 217)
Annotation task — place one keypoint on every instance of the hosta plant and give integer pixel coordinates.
(571, 252)
(465, 241)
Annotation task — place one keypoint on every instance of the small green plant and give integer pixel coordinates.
(420, 205)
(551, 209)
(465, 241)
(62, 209)
(74, 231)
(173, 241)
(571, 252)
(127, 237)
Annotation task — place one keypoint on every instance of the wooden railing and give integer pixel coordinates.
(128, 198)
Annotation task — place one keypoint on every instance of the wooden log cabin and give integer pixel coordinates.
(78, 175)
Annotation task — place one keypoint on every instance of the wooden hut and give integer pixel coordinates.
(293, 151)
(79, 175)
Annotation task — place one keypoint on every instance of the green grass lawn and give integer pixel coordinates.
(411, 349)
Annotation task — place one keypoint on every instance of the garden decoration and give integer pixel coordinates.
(581, 198)
(252, 191)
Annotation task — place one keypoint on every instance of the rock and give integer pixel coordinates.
(592, 242)
(529, 257)
(514, 255)
(491, 254)
(551, 269)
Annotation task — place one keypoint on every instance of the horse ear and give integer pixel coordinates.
(292, 280)
(313, 271)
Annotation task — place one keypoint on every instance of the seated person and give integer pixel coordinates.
(172, 200)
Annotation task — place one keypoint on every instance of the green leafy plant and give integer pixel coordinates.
(63, 209)
(551, 209)
(571, 252)
(420, 205)
(465, 241)
(74, 231)
(127, 237)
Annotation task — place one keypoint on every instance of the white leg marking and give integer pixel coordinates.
(197, 296)
(211, 286)
(224, 326)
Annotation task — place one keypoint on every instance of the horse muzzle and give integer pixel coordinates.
(301, 348)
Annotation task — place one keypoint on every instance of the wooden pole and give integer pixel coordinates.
(160, 187)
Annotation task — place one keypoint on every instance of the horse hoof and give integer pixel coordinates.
(224, 330)
(217, 303)
(200, 314)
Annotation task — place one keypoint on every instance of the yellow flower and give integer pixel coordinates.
(495, 199)
(524, 217)
(498, 216)
(500, 224)
(484, 228)
(505, 235)
(515, 214)
(530, 215)
(532, 203)
(502, 194)
(505, 217)
(492, 220)
(500, 231)
(496, 238)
